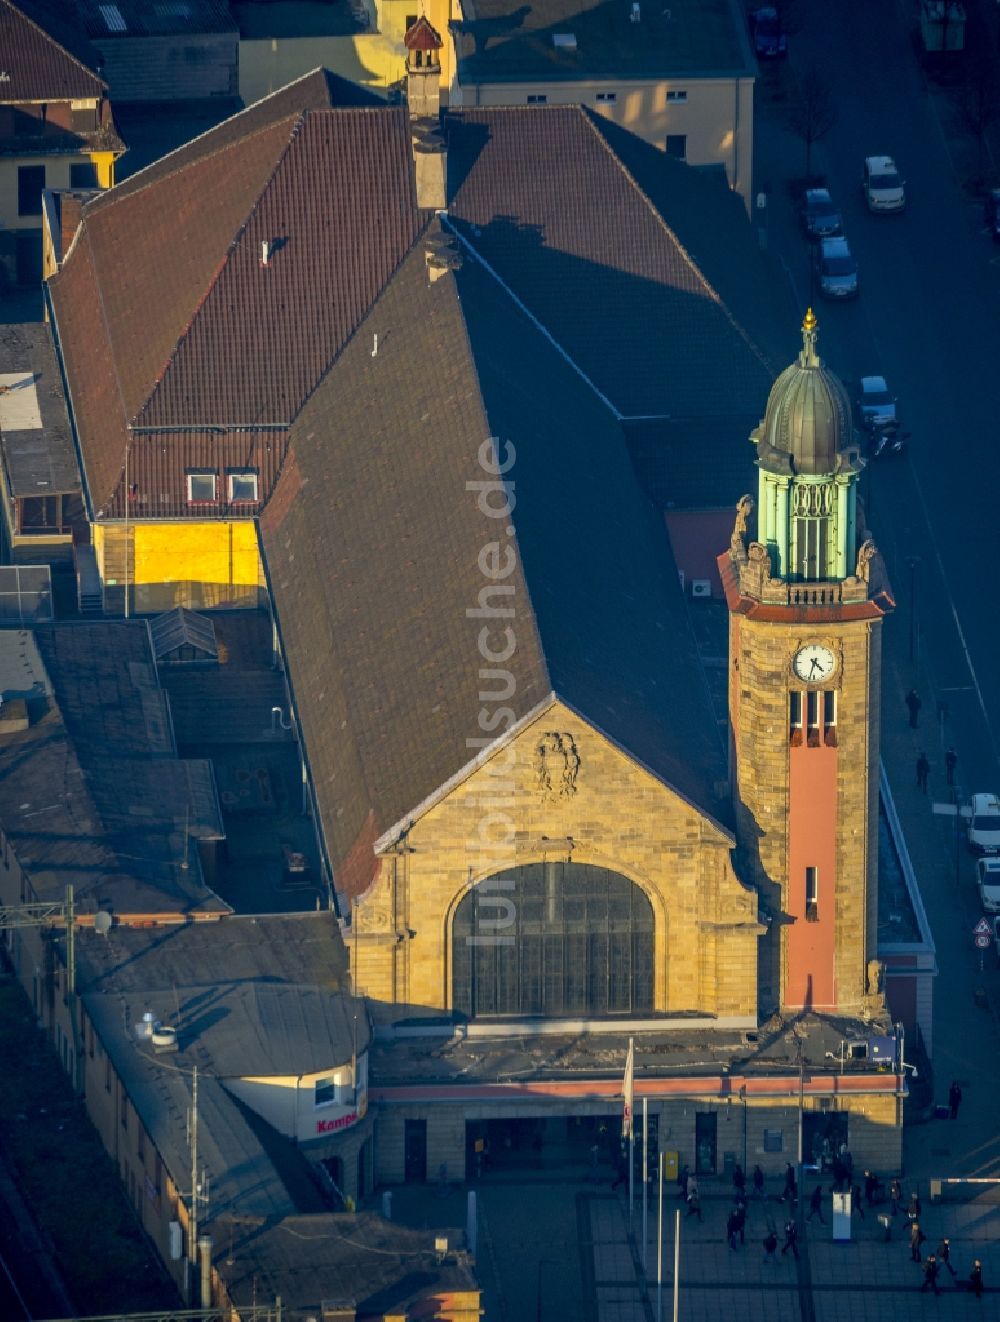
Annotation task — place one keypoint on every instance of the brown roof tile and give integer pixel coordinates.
(39, 68)
(374, 564)
(554, 210)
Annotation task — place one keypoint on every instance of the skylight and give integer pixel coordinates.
(112, 16)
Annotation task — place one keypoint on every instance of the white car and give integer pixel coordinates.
(984, 824)
(988, 882)
(884, 189)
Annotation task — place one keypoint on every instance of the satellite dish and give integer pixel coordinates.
(102, 922)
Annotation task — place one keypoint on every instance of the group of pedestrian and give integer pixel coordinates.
(940, 1261)
(913, 705)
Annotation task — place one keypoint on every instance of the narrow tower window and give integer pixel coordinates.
(812, 895)
(830, 716)
(795, 716)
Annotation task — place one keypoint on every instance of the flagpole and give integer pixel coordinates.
(659, 1243)
(645, 1189)
(631, 1132)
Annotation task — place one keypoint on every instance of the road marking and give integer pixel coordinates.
(945, 809)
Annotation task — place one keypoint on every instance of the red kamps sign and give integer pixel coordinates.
(341, 1122)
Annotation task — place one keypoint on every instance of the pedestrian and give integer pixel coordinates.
(976, 1279)
(682, 1181)
(595, 1157)
(895, 1195)
(930, 1275)
(770, 1245)
(732, 1229)
(739, 1179)
(872, 1186)
(621, 1171)
(917, 1237)
(914, 1210)
(758, 1182)
(791, 1235)
(914, 704)
(856, 1204)
(741, 1221)
(816, 1205)
(923, 771)
(954, 1098)
(691, 1186)
(694, 1203)
(944, 1256)
(950, 763)
(790, 1190)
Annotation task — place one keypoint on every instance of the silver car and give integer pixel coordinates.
(836, 269)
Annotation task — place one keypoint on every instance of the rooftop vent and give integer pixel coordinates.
(163, 1038)
(146, 1027)
(564, 40)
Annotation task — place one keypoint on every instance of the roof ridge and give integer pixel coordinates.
(660, 220)
(57, 43)
(233, 245)
(109, 196)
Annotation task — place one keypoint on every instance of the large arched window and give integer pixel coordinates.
(557, 939)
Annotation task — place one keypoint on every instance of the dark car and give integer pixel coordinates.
(991, 213)
(820, 218)
(769, 42)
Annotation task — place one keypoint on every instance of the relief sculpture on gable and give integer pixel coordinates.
(557, 764)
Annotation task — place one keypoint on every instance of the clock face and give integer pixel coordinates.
(814, 663)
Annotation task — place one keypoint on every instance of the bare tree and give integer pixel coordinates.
(978, 97)
(812, 114)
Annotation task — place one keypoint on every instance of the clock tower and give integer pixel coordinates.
(807, 594)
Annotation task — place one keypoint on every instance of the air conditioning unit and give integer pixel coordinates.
(701, 588)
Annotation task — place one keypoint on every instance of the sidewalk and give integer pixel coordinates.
(966, 1043)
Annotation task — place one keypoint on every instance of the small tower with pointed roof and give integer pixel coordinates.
(807, 594)
(423, 69)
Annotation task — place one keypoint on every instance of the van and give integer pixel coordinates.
(883, 188)
(984, 824)
(988, 881)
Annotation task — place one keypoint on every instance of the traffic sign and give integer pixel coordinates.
(982, 940)
(982, 928)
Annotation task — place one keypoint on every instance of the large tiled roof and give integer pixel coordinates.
(373, 549)
(571, 40)
(598, 264)
(35, 59)
(194, 331)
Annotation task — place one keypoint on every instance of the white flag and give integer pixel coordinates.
(628, 1088)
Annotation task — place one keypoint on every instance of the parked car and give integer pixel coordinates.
(884, 189)
(988, 882)
(820, 218)
(991, 213)
(984, 824)
(836, 269)
(878, 417)
(769, 41)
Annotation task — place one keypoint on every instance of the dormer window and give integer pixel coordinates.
(201, 486)
(242, 486)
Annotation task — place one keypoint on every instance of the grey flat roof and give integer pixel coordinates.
(37, 461)
(570, 40)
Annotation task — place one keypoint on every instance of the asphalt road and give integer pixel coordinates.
(928, 318)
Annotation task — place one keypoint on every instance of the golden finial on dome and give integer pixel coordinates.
(808, 357)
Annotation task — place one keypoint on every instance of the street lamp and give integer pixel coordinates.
(743, 1099)
(912, 561)
(542, 1262)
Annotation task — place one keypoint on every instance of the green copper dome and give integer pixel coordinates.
(807, 422)
(808, 465)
